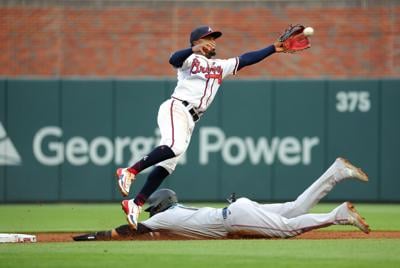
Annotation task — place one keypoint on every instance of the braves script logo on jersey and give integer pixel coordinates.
(213, 72)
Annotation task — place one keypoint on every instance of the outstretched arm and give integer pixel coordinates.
(253, 57)
(119, 233)
(178, 58)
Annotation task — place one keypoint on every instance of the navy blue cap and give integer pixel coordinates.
(203, 31)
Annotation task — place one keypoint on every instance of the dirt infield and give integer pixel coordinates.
(67, 237)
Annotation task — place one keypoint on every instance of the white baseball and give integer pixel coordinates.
(308, 31)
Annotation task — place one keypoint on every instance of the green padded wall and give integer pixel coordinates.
(62, 140)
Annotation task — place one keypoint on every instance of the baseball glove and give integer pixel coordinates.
(294, 40)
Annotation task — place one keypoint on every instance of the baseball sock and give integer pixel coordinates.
(158, 155)
(155, 178)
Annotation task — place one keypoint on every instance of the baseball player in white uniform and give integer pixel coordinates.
(199, 78)
(246, 218)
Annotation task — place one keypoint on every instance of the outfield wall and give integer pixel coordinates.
(61, 140)
(135, 38)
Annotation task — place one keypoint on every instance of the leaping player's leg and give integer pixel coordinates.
(126, 176)
(155, 178)
(340, 170)
(174, 128)
(177, 134)
(133, 207)
(173, 124)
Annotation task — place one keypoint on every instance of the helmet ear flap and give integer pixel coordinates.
(154, 210)
(161, 200)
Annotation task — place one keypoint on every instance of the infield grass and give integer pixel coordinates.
(214, 253)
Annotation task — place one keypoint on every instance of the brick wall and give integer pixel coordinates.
(134, 39)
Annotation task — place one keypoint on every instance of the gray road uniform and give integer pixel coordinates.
(248, 218)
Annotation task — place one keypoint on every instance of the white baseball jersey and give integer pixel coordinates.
(199, 79)
(246, 217)
(191, 222)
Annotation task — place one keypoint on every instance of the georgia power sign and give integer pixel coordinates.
(8, 154)
(50, 148)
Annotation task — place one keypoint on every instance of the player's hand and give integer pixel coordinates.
(204, 46)
(279, 46)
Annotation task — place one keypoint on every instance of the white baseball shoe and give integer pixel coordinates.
(348, 170)
(132, 212)
(356, 219)
(125, 179)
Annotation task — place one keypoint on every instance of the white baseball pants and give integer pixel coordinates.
(288, 219)
(176, 128)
